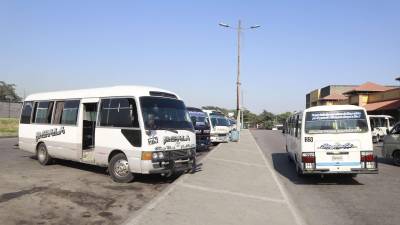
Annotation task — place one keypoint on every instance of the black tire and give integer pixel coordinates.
(396, 158)
(42, 155)
(119, 169)
(289, 158)
(298, 171)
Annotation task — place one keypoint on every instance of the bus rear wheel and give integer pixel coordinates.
(119, 169)
(396, 158)
(43, 155)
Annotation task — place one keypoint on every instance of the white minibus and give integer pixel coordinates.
(129, 129)
(379, 126)
(220, 127)
(331, 140)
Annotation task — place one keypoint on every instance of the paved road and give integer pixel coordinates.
(66, 192)
(367, 199)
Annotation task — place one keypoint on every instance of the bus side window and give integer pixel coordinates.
(58, 112)
(43, 112)
(119, 112)
(26, 113)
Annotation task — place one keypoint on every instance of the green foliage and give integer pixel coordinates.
(265, 119)
(7, 92)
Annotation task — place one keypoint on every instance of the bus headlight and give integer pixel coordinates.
(155, 155)
(161, 155)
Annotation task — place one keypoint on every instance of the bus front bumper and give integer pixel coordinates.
(173, 162)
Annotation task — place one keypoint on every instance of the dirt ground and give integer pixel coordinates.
(66, 192)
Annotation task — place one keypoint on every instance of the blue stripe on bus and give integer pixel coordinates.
(339, 164)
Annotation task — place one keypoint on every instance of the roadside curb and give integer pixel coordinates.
(136, 216)
(3, 137)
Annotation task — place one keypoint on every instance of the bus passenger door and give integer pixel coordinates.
(88, 131)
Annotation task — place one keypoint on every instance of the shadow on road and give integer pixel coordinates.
(385, 161)
(287, 169)
(148, 178)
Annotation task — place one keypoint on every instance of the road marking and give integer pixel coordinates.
(292, 207)
(138, 215)
(237, 162)
(219, 191)
(244, 151)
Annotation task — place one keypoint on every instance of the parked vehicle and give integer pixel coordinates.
(201, 126)
(379, 126)
(331, 140)
(232, 124)
(391, 144)
(219, 127)
(129, 129)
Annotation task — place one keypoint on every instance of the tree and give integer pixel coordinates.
(216, 108)
(281, 118)
(7, 91)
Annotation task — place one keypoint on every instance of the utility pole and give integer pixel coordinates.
(238, 123)
(242, 110)
(239, 30)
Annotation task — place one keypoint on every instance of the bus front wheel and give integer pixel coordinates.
(42, 155)
(119, 169)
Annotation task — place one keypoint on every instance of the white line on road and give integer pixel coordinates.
(219, 191)
(237, 162)
(292, 207)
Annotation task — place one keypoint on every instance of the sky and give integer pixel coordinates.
(178, 46)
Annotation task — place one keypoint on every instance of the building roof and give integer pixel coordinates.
(334, 97)
(385, 105)
(368, 87)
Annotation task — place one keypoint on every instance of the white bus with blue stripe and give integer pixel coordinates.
(331, 140)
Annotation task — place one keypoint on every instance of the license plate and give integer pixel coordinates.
(337, 158)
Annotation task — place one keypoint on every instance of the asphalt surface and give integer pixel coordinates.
(67, 192)
(366, 199)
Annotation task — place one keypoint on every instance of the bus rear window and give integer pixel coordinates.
(340, 121)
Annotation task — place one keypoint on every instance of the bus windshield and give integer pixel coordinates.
(219, 121)
(341, 121)
(164, 113)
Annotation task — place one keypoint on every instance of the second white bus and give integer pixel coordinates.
(331, 140)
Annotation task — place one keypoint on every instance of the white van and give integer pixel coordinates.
(129, 129)
(331, 140)
(220, 127)
(379, 126)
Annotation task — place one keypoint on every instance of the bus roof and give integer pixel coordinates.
(333, 108)
(129, 90)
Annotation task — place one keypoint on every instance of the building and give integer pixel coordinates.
(329, 95)
(376, 99)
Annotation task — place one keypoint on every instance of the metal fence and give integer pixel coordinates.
(10, 109)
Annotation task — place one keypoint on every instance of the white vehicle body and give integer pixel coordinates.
(93, 125)
(331, 139)
(380, 124)
(219, 127)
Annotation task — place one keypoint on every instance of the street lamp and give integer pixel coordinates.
(239, 29)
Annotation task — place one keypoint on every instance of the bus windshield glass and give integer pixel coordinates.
(341, 121)
(219, 121)
(164, 114)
